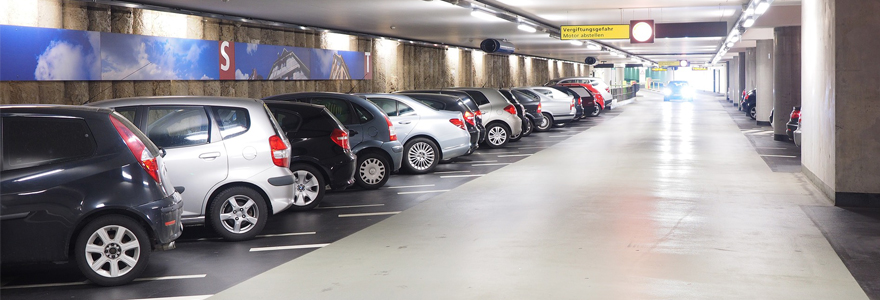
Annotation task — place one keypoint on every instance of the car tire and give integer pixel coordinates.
(546, 123)
(238, 213)
(753, 113)
(597, 110)
(127, 248)
(420, 156)
(308, 187)
(372, 171)
(528, 127)
(497, 135)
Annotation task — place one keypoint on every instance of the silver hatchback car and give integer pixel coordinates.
(428, 135)
(499, 115)
(225, 154)
(554, 110)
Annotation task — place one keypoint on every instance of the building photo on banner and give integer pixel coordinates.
(48, 54)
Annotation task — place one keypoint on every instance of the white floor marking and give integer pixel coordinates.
(495, 164)
(409, 186)
(493, 153)
(350, 206)
(199, 297)
(460, 176)
(788, 156)
(422, 192)
(481, 161)
(293, 247)
(369, 214)
(515, 155)
(451, 172)
(771, 148)
(531, 147)
(27, 286)
(286, 234)
(560, 136)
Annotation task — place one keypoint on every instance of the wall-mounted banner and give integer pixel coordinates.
(31, 53)
(594, 32)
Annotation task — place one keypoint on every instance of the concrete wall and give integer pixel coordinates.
(764, 81)
(818, 92)
(397, 66)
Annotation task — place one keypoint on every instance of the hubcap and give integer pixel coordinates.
(306, 188)
(239, 214)
(372, 171)
(420, 156)
(497, 135)
(545, 121)
(112, 251)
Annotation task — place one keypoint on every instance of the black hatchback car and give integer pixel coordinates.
(83, 182)
(319, 145)
(452, 103)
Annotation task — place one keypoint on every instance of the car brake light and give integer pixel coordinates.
(138, 149)
(392, 135)
(539, 108)
(457, 122)
(510, 109)
(570, 107)
(340, 137)
(480, 114)
(795, 114)
(469, 117)
(608, 89)
(280, 155)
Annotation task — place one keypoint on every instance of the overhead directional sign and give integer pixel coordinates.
(673, 63)
(594, 32)
(658, 70)
(700, 69)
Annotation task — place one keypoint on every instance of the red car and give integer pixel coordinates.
(598, 101)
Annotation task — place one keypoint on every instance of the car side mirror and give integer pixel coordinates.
(162, 152)
(352, 132)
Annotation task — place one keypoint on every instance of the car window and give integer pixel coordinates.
(37, 141)
(529, 95)
(388, 106)
(362, 114)
(581, 91)
(233, 121)
(431, 103)
(405, 110)
(128, 112)
(288, 120)
(478, 97)
(177, 126)
(338, 107)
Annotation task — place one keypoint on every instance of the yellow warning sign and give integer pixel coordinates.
(674, 63)
(594, 32)
(658, 70)
(700, 69)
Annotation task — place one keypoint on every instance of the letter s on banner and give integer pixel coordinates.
(227, 60)
(368, 69)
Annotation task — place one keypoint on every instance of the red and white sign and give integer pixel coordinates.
(227, 60)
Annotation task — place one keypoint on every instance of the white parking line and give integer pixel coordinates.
(788, 156)
(350, 206)
(451, 172)
(495, 164)
(409, 186)
(460, 176)
(369, 214)
(293, 247)
(198, 297)
(531, 147)
(27, 286)
(481, 161)
(422, 192)
(493, 153)
(286, 234)
(515, 155)
(561, 136)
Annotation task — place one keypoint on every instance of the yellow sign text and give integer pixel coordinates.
(594, 32)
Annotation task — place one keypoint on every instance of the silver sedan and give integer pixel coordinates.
(428, 135)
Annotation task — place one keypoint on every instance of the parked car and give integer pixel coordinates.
(797, 133)
(428, 135)
(554, 111)
(83, 181)
(678, 90)
(591, 99)
(603, 89)
(532, 113)
(793, 122)
(521, 113)
(452, 103)
(372, 136)
(320, 153)
(467, 100)
(578, 105)
(228, 153)
(499, 115)
(748, 104)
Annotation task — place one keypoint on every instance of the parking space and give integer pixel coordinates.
(204, 264)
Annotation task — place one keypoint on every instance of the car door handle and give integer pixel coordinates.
(404, 122)
(209, 155)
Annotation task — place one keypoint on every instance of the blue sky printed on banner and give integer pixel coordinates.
(32, 53)
(138, 57)
(256, 59)
(322, 63)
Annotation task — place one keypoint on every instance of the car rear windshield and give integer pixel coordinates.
(581, 91)
(478, 97)
(37, 141)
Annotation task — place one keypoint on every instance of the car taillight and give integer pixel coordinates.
(510, 109)
(469, 117)
(579, 101)
(608, 89)
(570, 107)
(795, 114)
(391, 133)
(138, 149)
(457, 122)
(480, 114)
(539, 108)
(340, 137)
(280, 155)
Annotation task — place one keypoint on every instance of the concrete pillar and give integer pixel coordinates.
(840, 107)
(786, 76)
(735, 87)
(764, 81)
(751, 69)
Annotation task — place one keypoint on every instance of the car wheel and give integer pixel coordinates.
(597, 110)
(545, 124)
(420, 155)
(238, 213)
(497, 135)
(308, 187)
(112, 250)
(753, 113)
(373, 171)
(528, 127)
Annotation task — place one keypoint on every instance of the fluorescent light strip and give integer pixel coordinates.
(485, 14)
(527, 28)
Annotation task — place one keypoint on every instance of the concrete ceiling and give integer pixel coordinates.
(442, 22)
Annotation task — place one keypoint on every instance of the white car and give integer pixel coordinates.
(600, 85)
(554, 110)
(499, 115)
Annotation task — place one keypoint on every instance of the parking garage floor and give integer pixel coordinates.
(652, 204)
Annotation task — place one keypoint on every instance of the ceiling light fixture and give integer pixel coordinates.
(594, 47)
(762, 7)
(485, 14)
(527, 28)
(577, 43)
(749, 22)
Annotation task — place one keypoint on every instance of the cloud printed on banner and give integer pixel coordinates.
(136, 57)
(49, 54)
(251, 48)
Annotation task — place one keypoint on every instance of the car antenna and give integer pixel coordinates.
(354, 86)
(111, 85)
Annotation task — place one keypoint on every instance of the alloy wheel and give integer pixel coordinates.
(305, 187)
(497, 136)
(421, 156)
(239, 214)
(112, 251)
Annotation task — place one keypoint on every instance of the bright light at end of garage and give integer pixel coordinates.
(526, 27)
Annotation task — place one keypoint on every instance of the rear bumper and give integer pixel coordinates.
(341, 171)
(395, 150)
(164, 218)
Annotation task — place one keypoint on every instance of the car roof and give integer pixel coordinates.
(180, 100)
(438, 97)
(73, 110)
(298, 105)
(314, 94)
